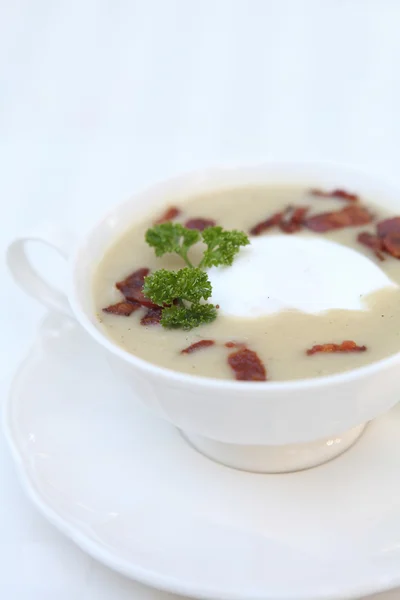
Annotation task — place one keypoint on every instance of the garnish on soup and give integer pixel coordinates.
(290, 220)
(267, 224)
(188, 317)
(125, 309)
(182, 294)
(222, 246)
(132, 287)
(235, 345)
(198, 346)
(152, 316)
(247, 365)
(387, 238)
(293, 219)
(346, 346)
(372, 241)
(199, 223)
(350, 216)
(340, 194)
(172, 238)
(171, 213)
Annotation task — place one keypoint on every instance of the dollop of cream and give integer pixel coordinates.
(283, 272)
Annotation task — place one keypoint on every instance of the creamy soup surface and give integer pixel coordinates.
(280, 340)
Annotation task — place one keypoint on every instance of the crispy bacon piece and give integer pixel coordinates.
(152, 316)
(289, 220)
(199, 223)
(124, 309)
(273, 221)
(293, 219)
(247, 366)
(372, 241)
(388, 226)
(235, 345)
(198, 346)
(346, 346)
(391, 243)
(299, 213)
(386, 240)
(132, 286)
(171, 213)
(340, 194)
(388, 232)
(351, 216)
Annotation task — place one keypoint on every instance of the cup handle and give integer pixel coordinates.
(28, 278)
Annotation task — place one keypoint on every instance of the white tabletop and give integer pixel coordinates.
(100, 98)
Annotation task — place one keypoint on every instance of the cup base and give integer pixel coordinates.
(276, 459)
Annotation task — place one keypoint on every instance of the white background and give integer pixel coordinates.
(100, 98)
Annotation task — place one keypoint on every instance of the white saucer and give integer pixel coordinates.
(131, 492)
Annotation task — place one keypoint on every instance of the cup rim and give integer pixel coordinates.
(205, 382)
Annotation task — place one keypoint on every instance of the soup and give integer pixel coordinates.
(288, 344)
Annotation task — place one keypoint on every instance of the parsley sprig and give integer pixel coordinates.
(222, 246)
(183, 294)
(172, 238)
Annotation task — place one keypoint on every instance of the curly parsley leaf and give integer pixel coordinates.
(172, 238)
(222, 246)
(160, 287)
(188, 317)
(164, 287)
(193, 284)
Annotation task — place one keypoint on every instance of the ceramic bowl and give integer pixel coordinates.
(258, 426)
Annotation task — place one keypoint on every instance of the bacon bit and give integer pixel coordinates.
(124, 309)
(340, 194)
(289, 220)
(152, 316)
(346, 346)
(391, 243)
(299, 213)
(199, 224)
(293, 219)
(386, 240)
(170, 214)
(235, 345)
(198, 346)
(273, 221)
(372, 241)
(388, 226)
(132, 286)
(351, 216)
(389, 233)
(247, 366)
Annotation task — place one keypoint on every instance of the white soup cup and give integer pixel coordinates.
(258, 426)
